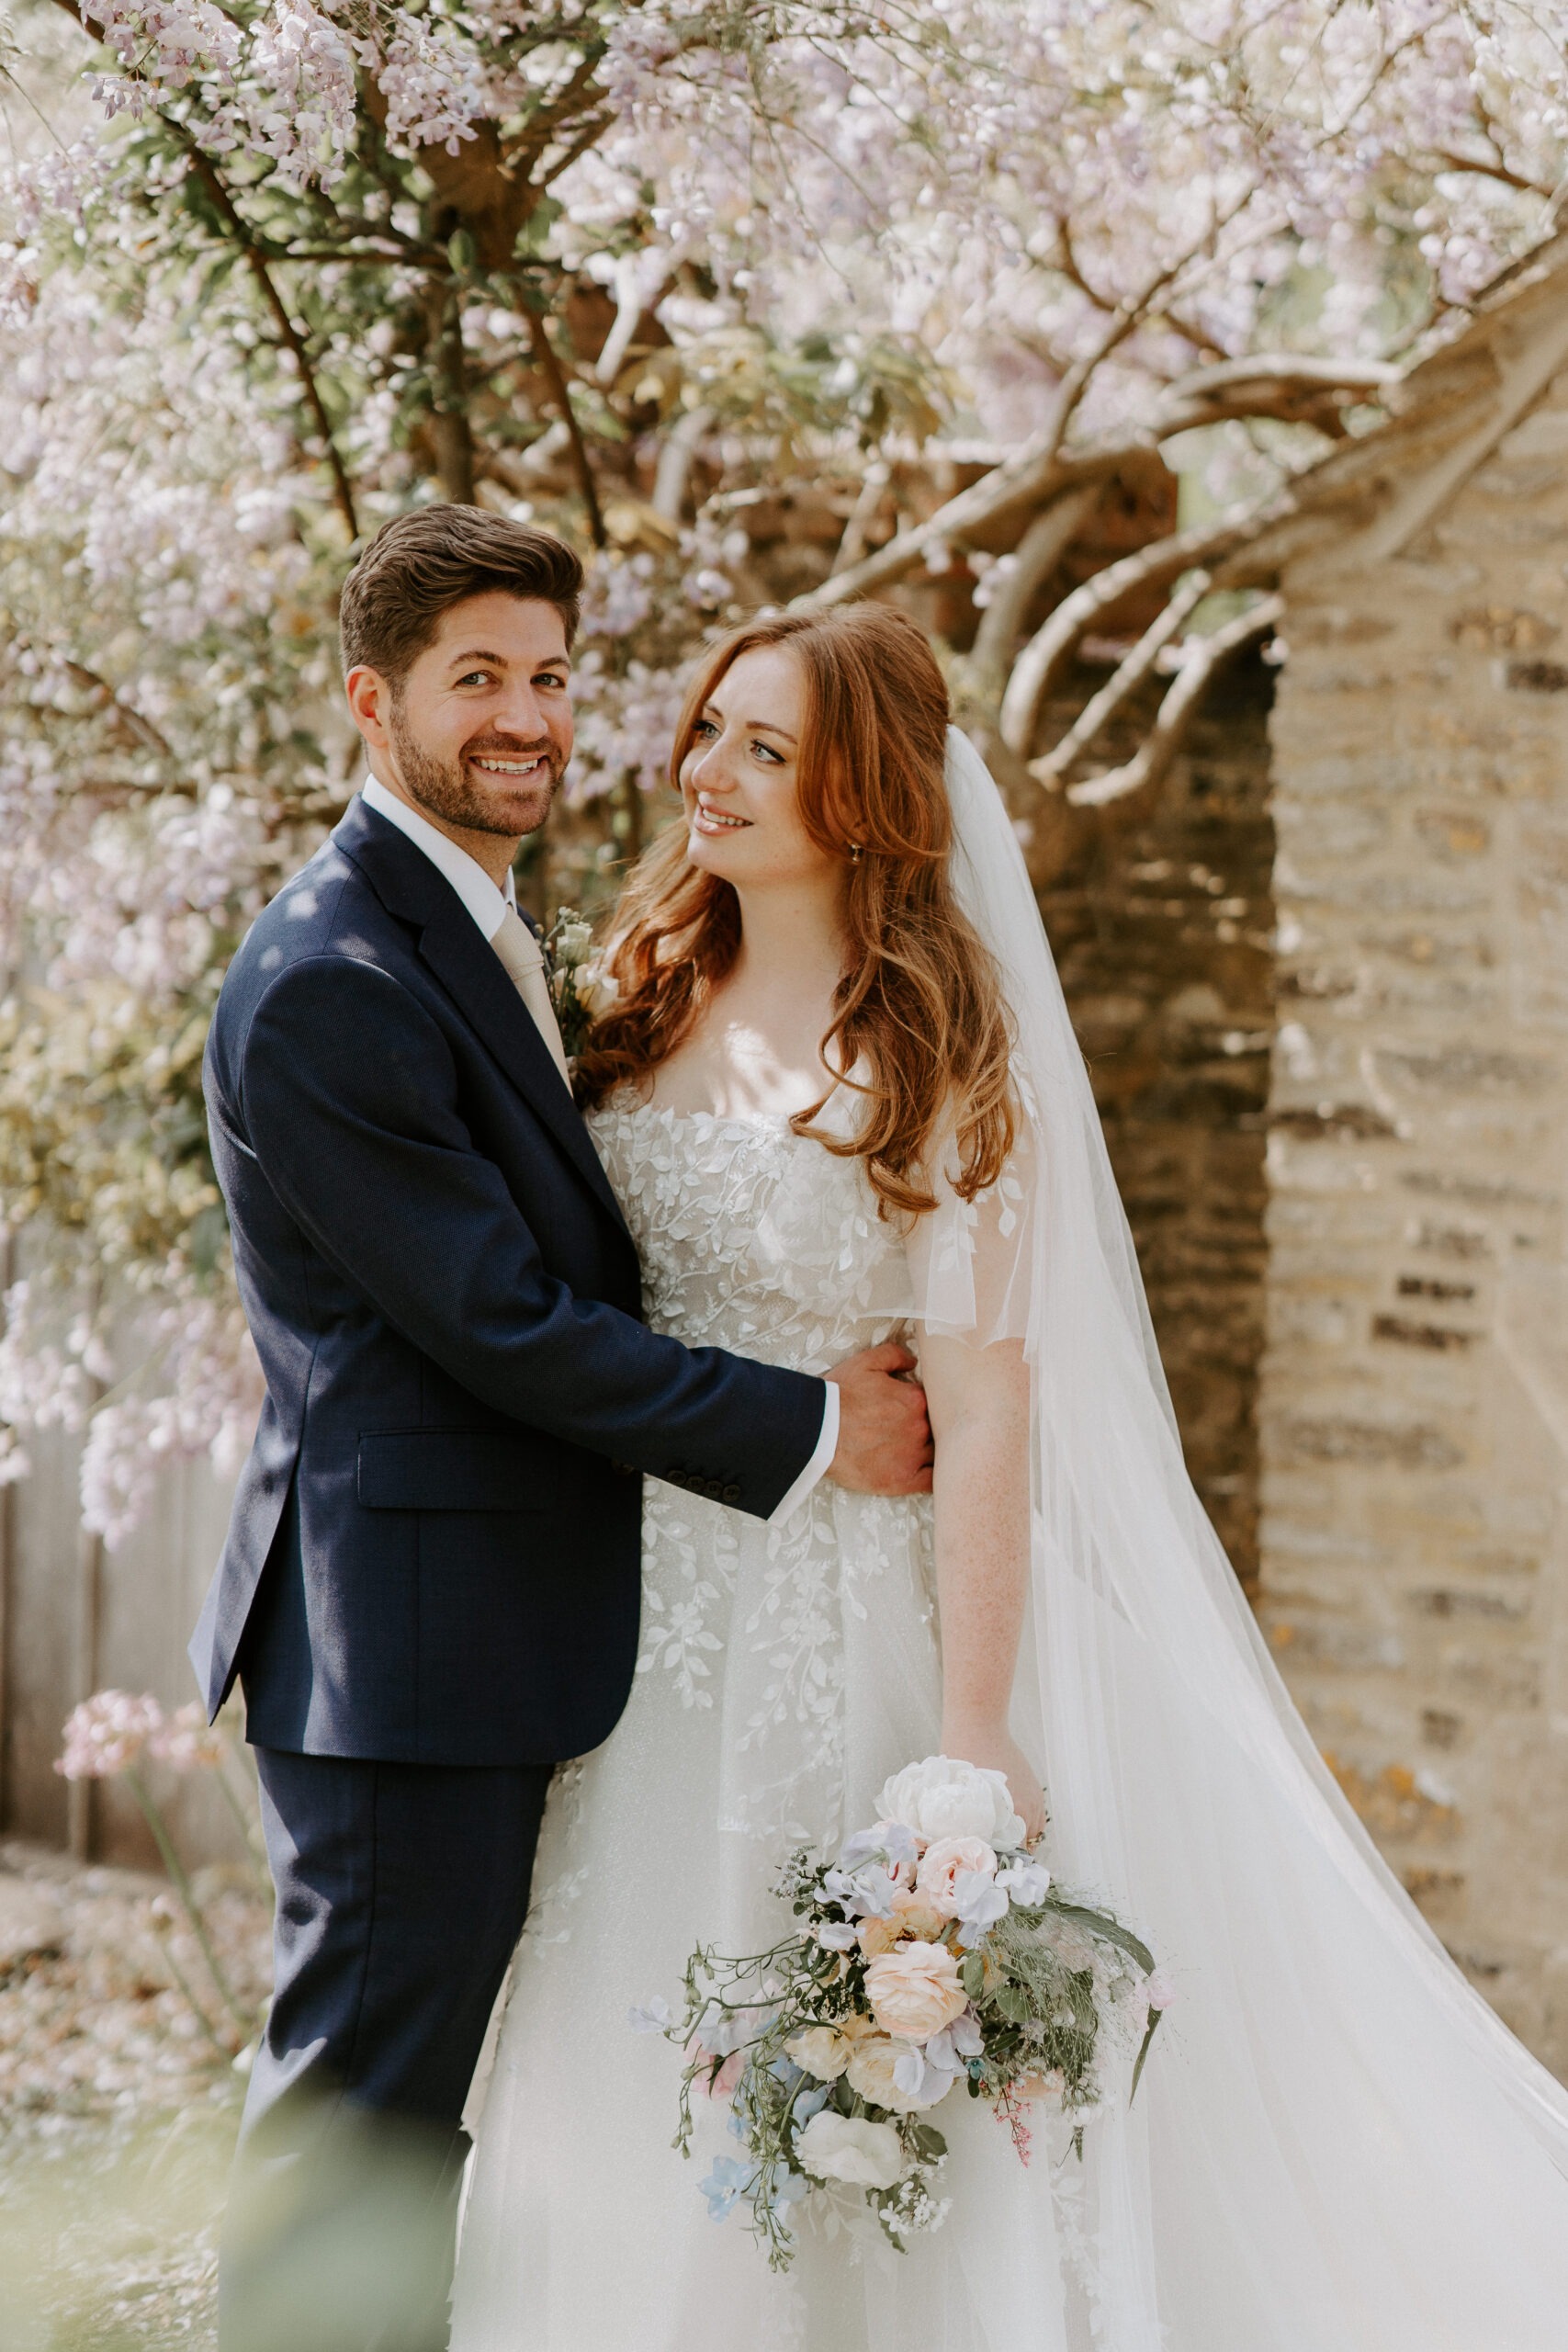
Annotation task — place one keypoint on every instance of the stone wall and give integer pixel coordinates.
(1414, 1555)
(1166, 948)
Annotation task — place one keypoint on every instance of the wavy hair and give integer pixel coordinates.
(919, 1015)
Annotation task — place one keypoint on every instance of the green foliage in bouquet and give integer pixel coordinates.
(918, 1965)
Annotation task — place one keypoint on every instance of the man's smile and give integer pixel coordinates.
(494, 765)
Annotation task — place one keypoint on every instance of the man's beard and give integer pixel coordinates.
(447, 790)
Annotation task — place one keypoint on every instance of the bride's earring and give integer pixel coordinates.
(854, 852)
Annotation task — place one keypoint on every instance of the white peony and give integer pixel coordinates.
(944, 1797)
(851, 2149)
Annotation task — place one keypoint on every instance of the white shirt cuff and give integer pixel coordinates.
(816, 1469)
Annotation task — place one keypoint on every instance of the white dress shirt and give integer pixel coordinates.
(487, 907)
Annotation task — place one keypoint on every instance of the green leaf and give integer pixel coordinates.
(532, 236)
(1101, 1923)
(1154, 2017)
(972, 1974)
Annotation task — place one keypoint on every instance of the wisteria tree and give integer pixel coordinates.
(1028, 313)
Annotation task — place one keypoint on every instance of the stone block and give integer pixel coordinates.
(1366, 1444)
(1406, 1331)
(1501, 628)
(1453, 835)
(1535, 676)
(1469, 1069)
(1442, 1727)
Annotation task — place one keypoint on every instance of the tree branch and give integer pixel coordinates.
(1028, 478)
(292, 338)
(1034, 474)
(1120, 789)
(675, 459)
(549, 360)
(851, 547)
(1036, 556)
(1043, 659)
(1498, 170)
(142, 728)
(1124, 681)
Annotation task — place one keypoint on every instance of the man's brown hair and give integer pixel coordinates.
(418, 566)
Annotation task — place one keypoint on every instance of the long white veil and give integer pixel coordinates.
(1337, 2147)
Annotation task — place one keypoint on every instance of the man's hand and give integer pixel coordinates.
(885, 1438)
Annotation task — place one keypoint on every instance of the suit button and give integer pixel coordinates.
(711, 1488)
(730, 1494)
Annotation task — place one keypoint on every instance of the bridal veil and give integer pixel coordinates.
(1336, 2147)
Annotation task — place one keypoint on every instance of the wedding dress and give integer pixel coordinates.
(1337, 2147)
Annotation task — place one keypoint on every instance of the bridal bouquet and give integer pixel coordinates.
(934, 1956)
(579, 987)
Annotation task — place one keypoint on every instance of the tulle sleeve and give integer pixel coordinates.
(972, 1262)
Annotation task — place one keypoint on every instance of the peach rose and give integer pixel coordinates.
(820, 2051)
(912, 1916)
(915, 1991)
(878, 1936)
(940, 1866)
(870, 2072)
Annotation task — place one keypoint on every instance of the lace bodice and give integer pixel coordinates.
(757, 1239)
(752, 1237)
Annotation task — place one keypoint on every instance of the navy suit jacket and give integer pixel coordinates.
(435, 1550)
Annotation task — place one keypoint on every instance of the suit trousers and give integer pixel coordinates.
(402, 1892)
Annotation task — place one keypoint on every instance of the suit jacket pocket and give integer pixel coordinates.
(449, 1470)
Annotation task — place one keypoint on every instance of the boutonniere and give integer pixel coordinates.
(580, 988)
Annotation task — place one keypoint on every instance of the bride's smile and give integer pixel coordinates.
(739, 779)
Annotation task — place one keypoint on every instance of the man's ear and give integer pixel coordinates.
(369, 699)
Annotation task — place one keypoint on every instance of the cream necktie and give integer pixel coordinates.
(525, 965)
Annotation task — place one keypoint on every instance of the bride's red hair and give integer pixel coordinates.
(919, 1015)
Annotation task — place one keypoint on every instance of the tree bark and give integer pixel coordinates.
(1043, 659)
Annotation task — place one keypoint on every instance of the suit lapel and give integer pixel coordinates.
(451, 944)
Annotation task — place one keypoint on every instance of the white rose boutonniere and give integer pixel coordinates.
(581, 989)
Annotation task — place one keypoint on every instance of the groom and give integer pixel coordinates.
(431, 1580)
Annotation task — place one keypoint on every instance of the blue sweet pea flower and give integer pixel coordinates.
(812, 2102)
(727, 2181)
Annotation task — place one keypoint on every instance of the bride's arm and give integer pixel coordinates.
(979, 1405)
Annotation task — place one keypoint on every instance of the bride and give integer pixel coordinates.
(839, 1100)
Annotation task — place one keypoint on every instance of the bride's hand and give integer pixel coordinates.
(991, 1748)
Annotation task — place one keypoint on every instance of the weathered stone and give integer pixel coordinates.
(1414, 1554)
(1165, 946)
(1537, 678)
(1501, 628)
(1412, 1445)
(1405, 1332)
(1440, 1727)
